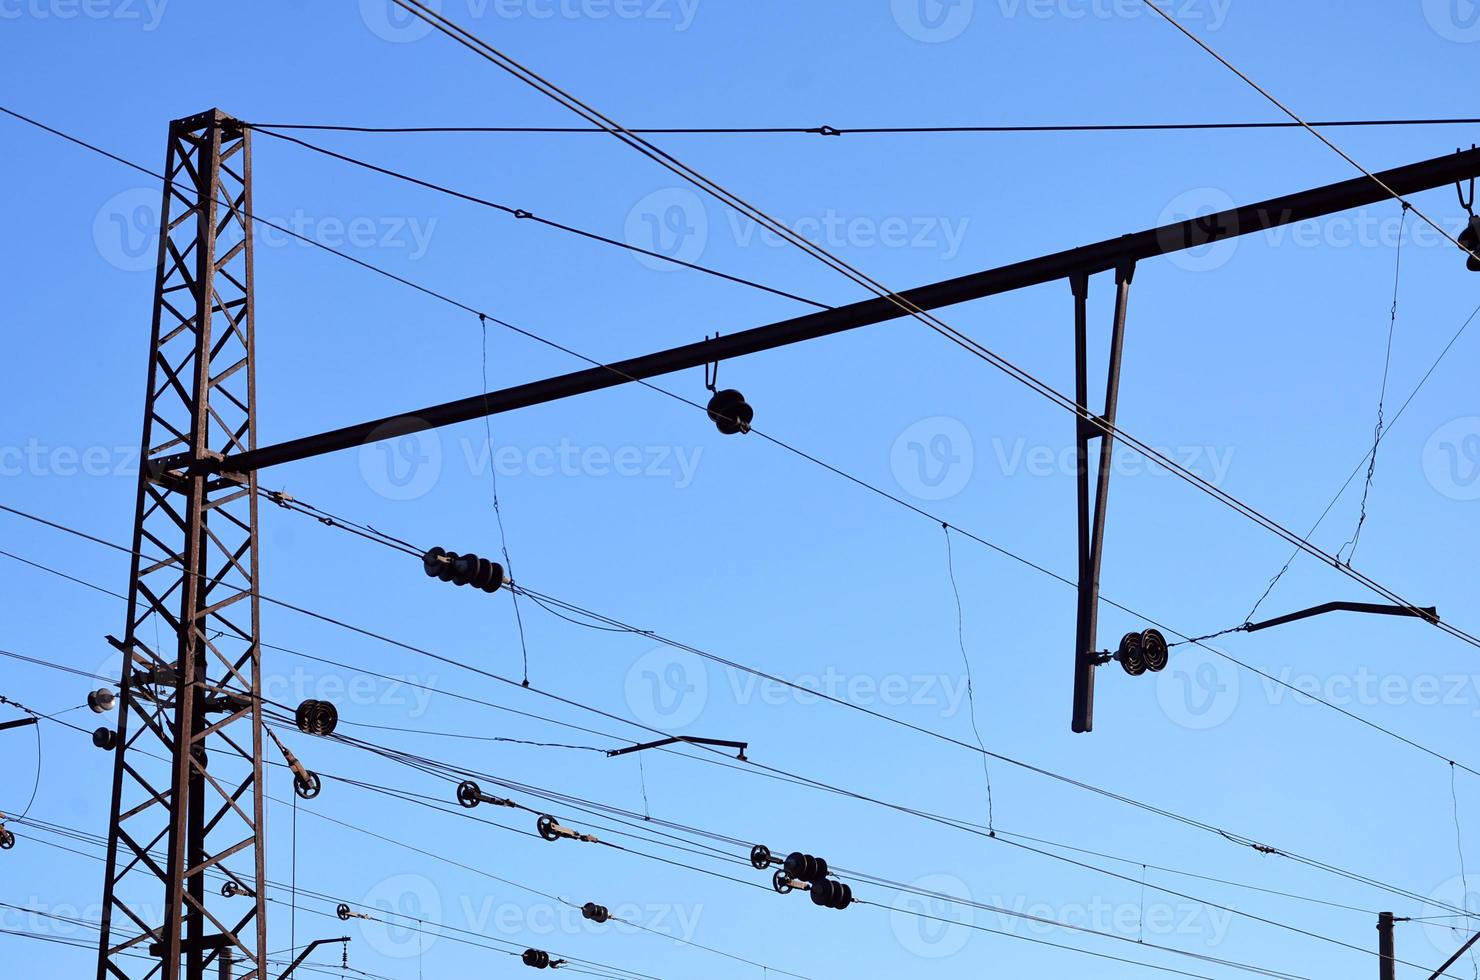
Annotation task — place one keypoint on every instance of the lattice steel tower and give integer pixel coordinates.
(191, 674)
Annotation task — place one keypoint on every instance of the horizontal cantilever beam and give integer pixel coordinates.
(1428, 613)
(682, 739)
(1088, 259)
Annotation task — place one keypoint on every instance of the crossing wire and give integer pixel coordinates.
(514, 68)
(881, 130)
(1163, 812)
(1301, 545)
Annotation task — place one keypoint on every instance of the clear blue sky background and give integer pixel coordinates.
(1257, 363)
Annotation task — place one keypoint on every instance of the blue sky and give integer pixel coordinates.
(1256, 363)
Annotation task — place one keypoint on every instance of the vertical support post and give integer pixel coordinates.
(1092, 523)
(192, 695)
(1386, 964)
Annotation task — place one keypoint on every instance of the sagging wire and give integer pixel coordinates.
(1387, 361)
(966, 662)
(1464, 876)
(497, 510)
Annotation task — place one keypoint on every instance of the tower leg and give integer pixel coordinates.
(191, 678)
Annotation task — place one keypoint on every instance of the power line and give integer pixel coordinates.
(436, 768)
(526, 215)
(1079, 784)
(1300, 545)
(1309, 127)
(549, 89)
(879, 130)
(454, 772)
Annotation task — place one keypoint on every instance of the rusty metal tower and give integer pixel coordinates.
(190, 682)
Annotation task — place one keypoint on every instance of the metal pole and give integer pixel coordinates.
(1089, 577)
(1386, 964)
(1084, 643)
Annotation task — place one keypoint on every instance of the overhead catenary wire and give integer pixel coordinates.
(881, 130)
(456, 772)
(382, 789)
(523, 214)
(1300, 544)
(1387, 362)
(977, 927)
(999, 832)
(1308, 127)
(542, 85)
(1150, 808)
(453, 772)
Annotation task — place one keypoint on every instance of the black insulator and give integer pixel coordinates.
(781, 882)
(1130, 656)
(760, 857)
(1470, 240)
(469, 794)
(228, 889)
(546, 826)
(101, 700)
(449, 566)
(7, 839)
(832, 894)
(594, 912)
(490, 575)
(1154, 650)
(343, 912)
(105, 738)
(537, 958)
(315, 717)
(308, 785)
(730, 412)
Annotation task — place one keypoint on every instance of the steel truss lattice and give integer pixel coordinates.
(191, 677)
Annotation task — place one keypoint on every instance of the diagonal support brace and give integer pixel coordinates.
(1091, 521)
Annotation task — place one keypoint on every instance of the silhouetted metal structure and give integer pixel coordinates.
(192, 695)
(1077, 265)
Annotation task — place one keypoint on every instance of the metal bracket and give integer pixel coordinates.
(1092, 521)
(740, 747)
